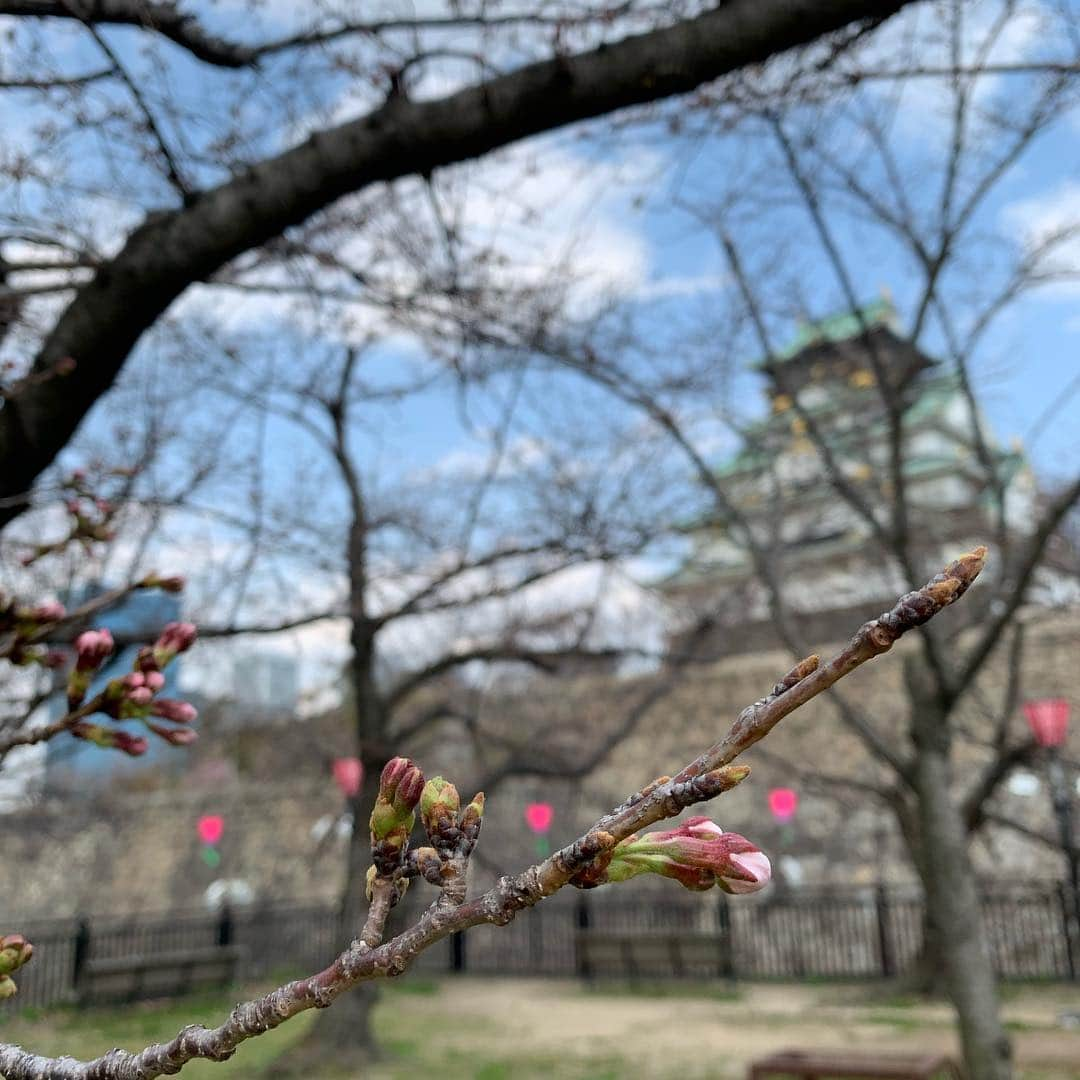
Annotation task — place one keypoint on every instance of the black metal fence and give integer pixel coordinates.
(871, 933)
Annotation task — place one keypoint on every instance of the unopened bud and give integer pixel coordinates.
(174, 736)
(471, 818)
(177, 637)
(111, 738)
(15, 951)
(698, 854)
(392, 818)
(401, 784)
(173, 584)
(439, 806)
(92, 648)
(429, 865)
(179, 712)
(43, 613)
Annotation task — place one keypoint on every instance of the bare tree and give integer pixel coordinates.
(835, 184)
(176, 131)
(604, 853)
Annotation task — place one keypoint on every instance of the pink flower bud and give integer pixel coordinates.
(698, 854)
(177, 637)
(140, 696)
(179, 712)
(133, 680)
(145, 660)
(92, 647)
(132, 745)
(155, 680)
(46, 613)
(174, 736)
(401, 784)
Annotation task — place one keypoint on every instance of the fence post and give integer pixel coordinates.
(80, 951)
(727, 946)
(885, 949)
(581, 920)
(536, 939)
(225, 926)
(457, 951)
(1072, 963)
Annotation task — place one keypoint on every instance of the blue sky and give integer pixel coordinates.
(611, 198)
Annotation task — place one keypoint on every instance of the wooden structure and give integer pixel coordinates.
(824, 1064)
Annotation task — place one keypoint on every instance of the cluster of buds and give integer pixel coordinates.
(21, 627)
(91, 519)
(15, 951)
(698, 854)
(452, 832)
(132, 696)
(394, 815)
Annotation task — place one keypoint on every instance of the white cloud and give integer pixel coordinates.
(1048, 225)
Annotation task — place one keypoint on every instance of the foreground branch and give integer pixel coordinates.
(703, 779)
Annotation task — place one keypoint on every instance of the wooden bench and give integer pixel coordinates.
(165, 974)
(635, 956)
(821, 1064)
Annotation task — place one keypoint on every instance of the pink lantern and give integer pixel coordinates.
(1048, 720)
(783, 803)
(348, 775)
(210, 828)
(538, 816)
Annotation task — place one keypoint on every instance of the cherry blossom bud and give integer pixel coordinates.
(173, 584)
(110, 738)
(401, 784)
(155, 680)
(15, 951)
(173, 736)
(92, 647)
(141, 696)
(91, 650)
(471, 818)
(43, 613)
(179, 712)
(177, 637)
(132, 745)
(698, 854)
(392, 818)
(439, 806)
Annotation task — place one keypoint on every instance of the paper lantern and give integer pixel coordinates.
(1048, 720)
(539, 816)
(348, 775)
(210, 828)
(783, 803)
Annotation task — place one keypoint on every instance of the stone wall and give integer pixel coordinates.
(132, 851)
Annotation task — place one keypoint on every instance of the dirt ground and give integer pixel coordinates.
(707, 1032)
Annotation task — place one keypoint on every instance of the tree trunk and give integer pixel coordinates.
(952, 900)
(927, 978)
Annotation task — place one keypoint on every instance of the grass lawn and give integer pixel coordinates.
(498, 1029)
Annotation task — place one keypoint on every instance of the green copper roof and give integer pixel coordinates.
(841, 326)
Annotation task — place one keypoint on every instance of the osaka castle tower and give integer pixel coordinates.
(828, 429)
